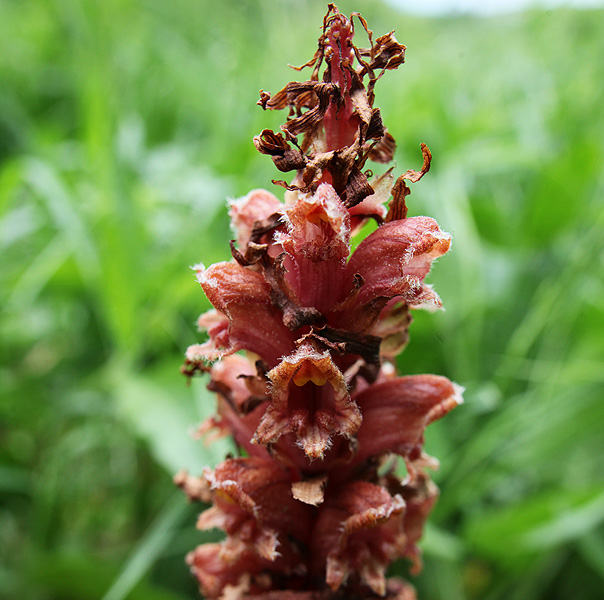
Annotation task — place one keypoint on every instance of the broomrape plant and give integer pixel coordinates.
(301, 349)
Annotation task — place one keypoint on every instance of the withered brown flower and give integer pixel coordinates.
(300, 351)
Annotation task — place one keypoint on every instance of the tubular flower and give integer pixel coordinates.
(301, 347)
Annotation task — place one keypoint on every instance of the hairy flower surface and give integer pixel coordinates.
(300, 350)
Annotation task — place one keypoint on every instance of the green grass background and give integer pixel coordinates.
(124, 126)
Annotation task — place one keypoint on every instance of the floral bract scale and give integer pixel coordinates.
(301, 347)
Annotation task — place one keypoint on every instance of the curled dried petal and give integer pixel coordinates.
(415, 176)
(284, 156)
(374, 205)
(340, 126)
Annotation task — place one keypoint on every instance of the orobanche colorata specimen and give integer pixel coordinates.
(301, 348)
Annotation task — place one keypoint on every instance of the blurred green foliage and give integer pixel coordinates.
(124, 126)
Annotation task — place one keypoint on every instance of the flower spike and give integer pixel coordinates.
(302, 340)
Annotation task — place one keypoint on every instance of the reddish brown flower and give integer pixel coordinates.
(243, 297)
(253, 504)
(413, 402)
(357, 534)
(246, 573)
(309, 399)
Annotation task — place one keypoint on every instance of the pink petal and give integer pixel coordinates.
(318, 226)
(258, 205)
(237, 415)
(395, 258)
(317, 243)
(396, 413)
(243, 295)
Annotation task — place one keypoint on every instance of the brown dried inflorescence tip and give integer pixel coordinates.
(301, 347)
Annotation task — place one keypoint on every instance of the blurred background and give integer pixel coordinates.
(124, 126)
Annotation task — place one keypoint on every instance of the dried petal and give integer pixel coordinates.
(284, 156)
(383, 151)
(340, 126)
(398, 208)
(415, 176)
(374, 205)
